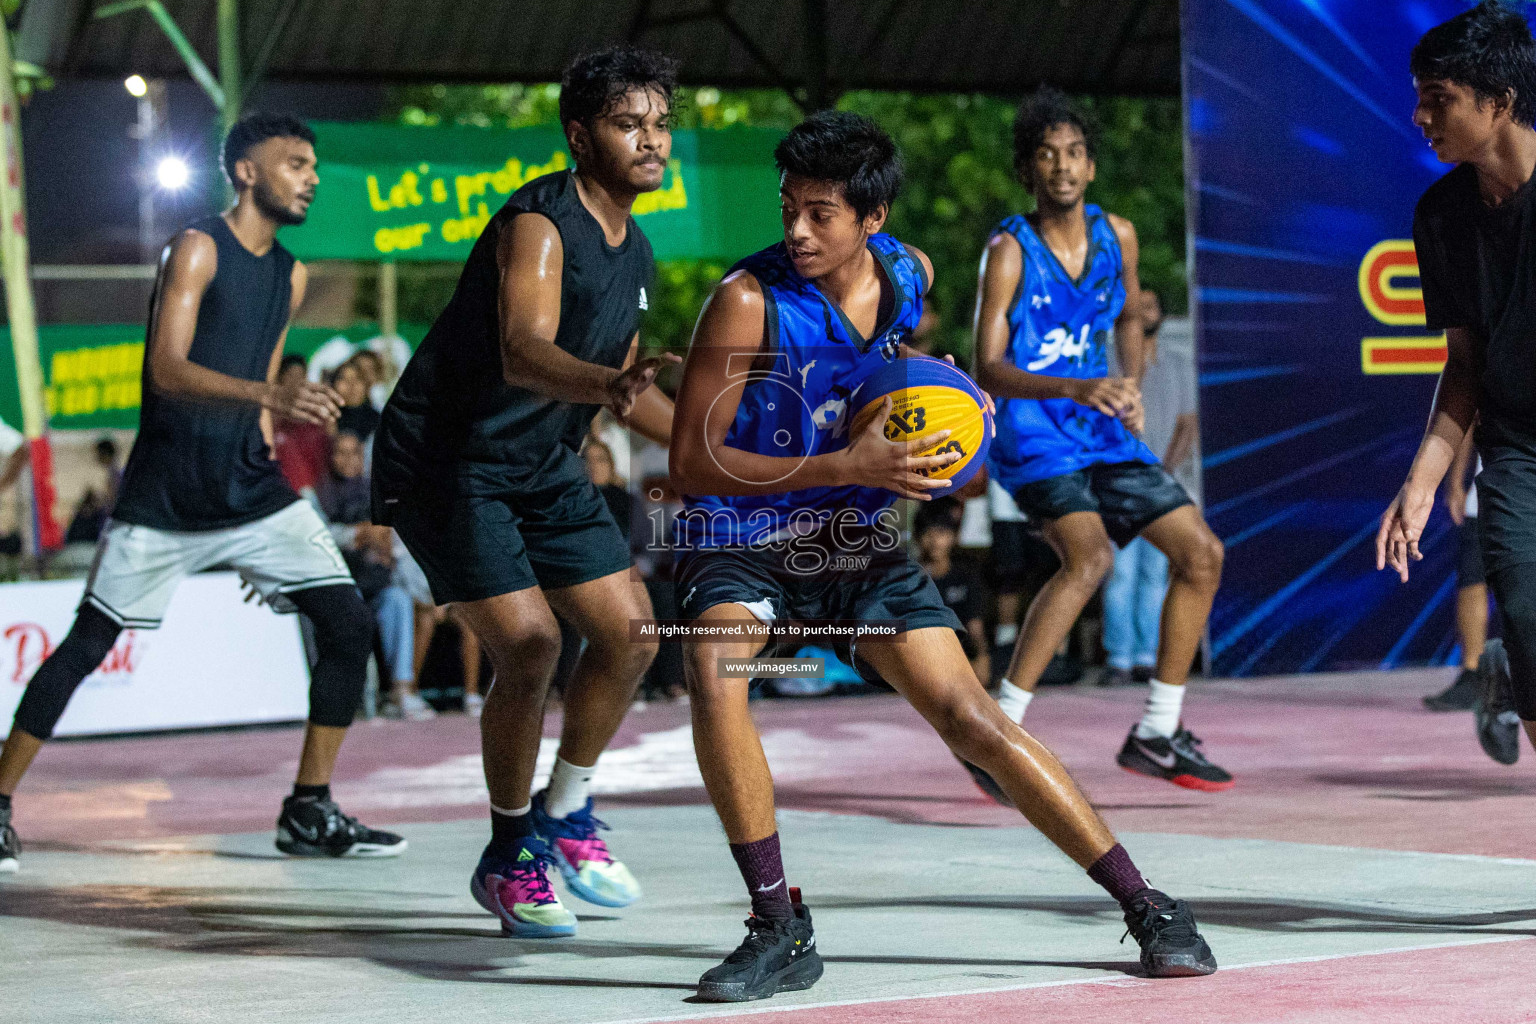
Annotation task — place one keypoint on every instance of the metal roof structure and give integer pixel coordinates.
(813, 48)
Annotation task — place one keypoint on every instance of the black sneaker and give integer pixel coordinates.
(776, 956)
(317, 828)
(10, 846)
(1117, 677)
(987, 784)
(1459, 696)
(1498, 726)
(1141, 675)
(1177, 758)
(1164, 928)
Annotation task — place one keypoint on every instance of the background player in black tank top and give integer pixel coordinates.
(201, 488)
(1475, 235)
(476, 466)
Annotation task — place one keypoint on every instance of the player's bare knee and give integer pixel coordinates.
(1202, 562)
(1085, 570)
(969, 730)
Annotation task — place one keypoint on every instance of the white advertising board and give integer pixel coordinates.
(215, 661)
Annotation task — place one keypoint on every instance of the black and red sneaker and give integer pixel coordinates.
(1176, 758)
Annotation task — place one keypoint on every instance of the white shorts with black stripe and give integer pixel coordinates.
(137, 568)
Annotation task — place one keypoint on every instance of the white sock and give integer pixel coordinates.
(568, 787)
(1013, 700)
(1164, 705)
(1007, 633)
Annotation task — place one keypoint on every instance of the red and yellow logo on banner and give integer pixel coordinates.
(1383, 289)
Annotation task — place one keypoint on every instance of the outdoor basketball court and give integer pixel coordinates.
(1371, 864)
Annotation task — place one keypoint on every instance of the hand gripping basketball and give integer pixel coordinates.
(898, 465)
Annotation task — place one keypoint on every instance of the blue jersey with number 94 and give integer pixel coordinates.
(1060, 327)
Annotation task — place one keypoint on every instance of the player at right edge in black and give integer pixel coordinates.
(1476, 80)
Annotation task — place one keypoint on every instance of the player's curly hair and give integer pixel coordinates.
(595, 81)
(1046, 108)
(256, 128)
(1488, 49)
(846, 148)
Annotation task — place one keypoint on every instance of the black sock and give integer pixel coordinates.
(511, 828)
(5, 801)
(302, 792)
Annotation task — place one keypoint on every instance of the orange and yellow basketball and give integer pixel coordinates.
(929, 395)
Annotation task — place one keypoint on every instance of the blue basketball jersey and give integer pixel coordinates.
(801, 404)
(1059, 327)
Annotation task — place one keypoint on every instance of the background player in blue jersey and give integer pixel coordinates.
(788, 517)
(1055, 285)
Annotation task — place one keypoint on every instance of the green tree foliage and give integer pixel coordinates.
(960, 182)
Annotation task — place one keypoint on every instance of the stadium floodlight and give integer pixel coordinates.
(172, 173)
(136, 86)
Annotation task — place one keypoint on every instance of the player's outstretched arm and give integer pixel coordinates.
(186, 269)
(726, 343)
(651, 414)
(1002, 267)
(1397, 542)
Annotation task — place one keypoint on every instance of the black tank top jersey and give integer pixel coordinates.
(204, 466)
(453, 425)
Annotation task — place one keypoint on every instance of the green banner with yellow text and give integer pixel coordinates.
(91, 372)
(397, 192)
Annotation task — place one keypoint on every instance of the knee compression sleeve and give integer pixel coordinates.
(1514, 590)
(344, 638)
(46, 696)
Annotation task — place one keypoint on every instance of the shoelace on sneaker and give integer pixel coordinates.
(335, 821)
(1188, 744)
(533, 877)
(762, 933)
(583, 835)
(1161, 916)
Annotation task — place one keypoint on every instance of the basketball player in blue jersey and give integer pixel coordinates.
(477, 466)
(202, 489)
(1055, 285)
(788, 517)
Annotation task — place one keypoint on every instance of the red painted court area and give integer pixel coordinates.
(1332, 770)
(1350, 760)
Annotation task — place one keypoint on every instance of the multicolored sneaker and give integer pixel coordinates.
(513, 883)
(586, 865)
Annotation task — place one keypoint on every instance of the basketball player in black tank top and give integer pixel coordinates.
(476, 465)
(201, 488)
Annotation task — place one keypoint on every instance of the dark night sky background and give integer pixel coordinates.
(82, 194)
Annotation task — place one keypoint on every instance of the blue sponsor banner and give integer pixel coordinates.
(1316, 370)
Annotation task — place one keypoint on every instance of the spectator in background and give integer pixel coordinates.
(358, 416)
(371, 366)
(936, 529)
(351, 381)
(1134, 591)
(344, 497)
(95, 505)
(302, 449)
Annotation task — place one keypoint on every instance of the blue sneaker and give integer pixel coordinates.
(513, 884)
(586, 865)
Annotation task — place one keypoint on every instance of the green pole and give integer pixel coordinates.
(229, 61)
